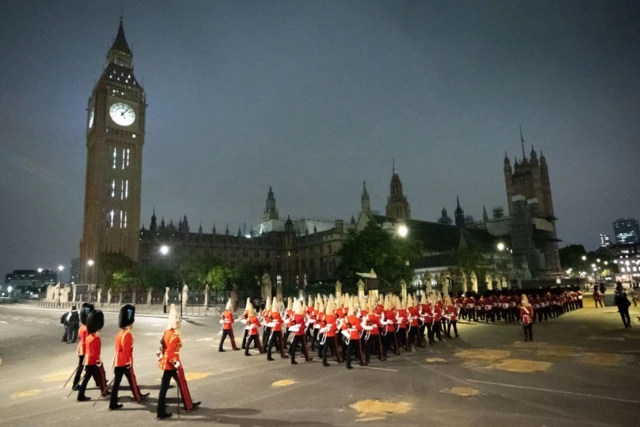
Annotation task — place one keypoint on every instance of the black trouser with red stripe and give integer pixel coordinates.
(119, 371)
(355, 346)
(256, 339)
(178, 376)
(97, 372)
(228, 333)
(79, 371)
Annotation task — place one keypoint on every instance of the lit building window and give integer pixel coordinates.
(125, 220)
(115, 157)
(126, 189)
(111, 218)
(121, 219)
(124, 157)
(122, 190)
(622, 269)
(113, 188)
(128, 154)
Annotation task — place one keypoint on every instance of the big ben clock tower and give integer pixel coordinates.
(115, 136)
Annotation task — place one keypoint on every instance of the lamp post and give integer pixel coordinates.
(89, 265)
(164, 251)
(60, 268)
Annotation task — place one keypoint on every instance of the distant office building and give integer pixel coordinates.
(30, 280)
(75, 271)
(626, 230)
(605, 240)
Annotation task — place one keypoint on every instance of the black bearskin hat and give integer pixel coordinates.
(84, 312)
(127, 315)
(95, 321)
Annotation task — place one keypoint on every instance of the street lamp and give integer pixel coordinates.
(164, 250)
(89, 265)
(500, 246)
(60, 268)
(584, 257)
(403, 231)
(39, 270)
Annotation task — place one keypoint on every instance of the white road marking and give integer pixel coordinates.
(548, 390)
(204, 339)
(607, 338)
(377, 369)
(2, 321)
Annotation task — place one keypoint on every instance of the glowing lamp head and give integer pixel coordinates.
(90, 262)
(500, 246)
(60, 268)
(164, 249)
(403, 231)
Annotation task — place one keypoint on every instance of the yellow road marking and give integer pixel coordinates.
(434, 360)
(283, 383)
(195, 376)
(27, 393)
(376, 408)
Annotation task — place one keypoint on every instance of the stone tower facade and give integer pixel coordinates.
(397, 204)
(528, 181)
(113, 186)
(459, 214)
(270, 210)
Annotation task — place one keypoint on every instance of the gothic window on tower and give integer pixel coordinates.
(128, 154)
(124, 157)
(112, 190)
(115, 157)
(122, 189)
(110, 218)
(126, 189)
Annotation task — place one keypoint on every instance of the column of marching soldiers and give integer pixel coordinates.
(345, 327)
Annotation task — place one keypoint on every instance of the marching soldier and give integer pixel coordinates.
(227, 327)
(351, 330)
(414, 327)
(264, 320)
(389, 322)
(298, 329)
(245, 317)
(374, 344)
(401, 318)
(92, 361)
(437, 309)
(328, 330)
(288, 319)
(123, 359)
(169, 362)
(451, 313)
(275, 323)
(82, 344)
(252, 325)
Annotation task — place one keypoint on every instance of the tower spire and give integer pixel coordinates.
(393, 168)
(522, 143)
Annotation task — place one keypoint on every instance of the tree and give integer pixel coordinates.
(196, 273)
(157, 278)
(112, 263)
(374, 248)
(246, 277)
(218, 276)
(571, 258)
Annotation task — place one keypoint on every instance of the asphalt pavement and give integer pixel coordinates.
(581, 369)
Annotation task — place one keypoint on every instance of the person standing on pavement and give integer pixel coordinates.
(526, 317)
(64, 321)
(73, 325)
(597, 297)
(123, 359)
(622, 302)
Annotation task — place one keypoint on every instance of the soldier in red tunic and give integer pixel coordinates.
(526, 317)
(82, 345)
(298, 329)
(451, 313)
(169, 362)
(251, 325)
(374, 344)
(92, 361)
(227, 321)
(388, 322)
(245, 317)
(401, 318)
(123, 359)
(275, 323)
(351, 329)
(328, 329)
(413, 333)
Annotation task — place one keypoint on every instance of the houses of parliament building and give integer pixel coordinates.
(295, 251)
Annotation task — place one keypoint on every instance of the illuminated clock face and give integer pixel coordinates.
(91, 118)
(122, 114)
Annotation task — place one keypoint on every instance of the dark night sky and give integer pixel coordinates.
(315, 97)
